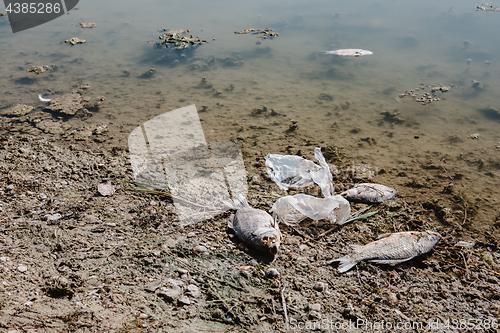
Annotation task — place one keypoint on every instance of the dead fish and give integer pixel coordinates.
(369, 193)
(349, 52)
(254, 227)
(391, 249)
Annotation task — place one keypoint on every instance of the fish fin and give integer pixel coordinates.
(237, 202)
(344, 264)
(384, 235)
(389, 261)
(230, 223)
(275, 220)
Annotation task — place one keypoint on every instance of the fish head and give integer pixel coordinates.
(431, 237)
(271, 240)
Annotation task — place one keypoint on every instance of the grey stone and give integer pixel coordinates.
(272, 273)
(193, 291)
(184, 300)
(169, 295)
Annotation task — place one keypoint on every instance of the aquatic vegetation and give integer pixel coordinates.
(175, 38)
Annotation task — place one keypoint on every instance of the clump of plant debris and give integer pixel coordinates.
(177, 40)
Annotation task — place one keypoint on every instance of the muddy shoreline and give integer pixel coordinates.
(72, 259)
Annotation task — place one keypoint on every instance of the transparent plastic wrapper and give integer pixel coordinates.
(290, 210)
(294, 171)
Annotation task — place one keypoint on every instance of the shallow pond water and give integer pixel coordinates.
(352, 103)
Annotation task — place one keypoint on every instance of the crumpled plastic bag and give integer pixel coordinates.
(294, 171)
(290, 210)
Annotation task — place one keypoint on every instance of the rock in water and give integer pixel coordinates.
(391, 249)
(254, 227)
(369, 193)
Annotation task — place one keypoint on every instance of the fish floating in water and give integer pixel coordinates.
(369, 193)
(254, 227)
(391, 249)
(349, 52)
(43, 99)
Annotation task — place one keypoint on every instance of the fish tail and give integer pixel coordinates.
(345, 264)
(328, 52)
(239, 202)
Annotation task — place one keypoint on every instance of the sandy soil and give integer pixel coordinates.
(74, 260)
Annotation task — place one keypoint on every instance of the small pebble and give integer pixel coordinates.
(169, 295)
(28, 303)
(303, 247)
(217, 313)
(320, 286)
(10, 187)
(176, 284)
(182, 271)
(191, 234)
(22, 268)
(184, 300)
(193, 291)
(200, 248)
(272, 273)
(316, 307)
(4, 259)
(143, 316)
(52, 217)
(42, 196)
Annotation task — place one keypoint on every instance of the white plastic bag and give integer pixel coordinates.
(294, 171)
(290, 210)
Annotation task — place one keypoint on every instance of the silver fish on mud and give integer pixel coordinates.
(349, 52)
(369, 193)
(254, 227)
(391, 249)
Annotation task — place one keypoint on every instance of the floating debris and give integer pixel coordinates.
(174, 37)
(369, 193)
(264, 33)
(429, 96)
(74, 41)
(254, 227)
(349, 52)
(487, 7)
(246, 31)
(39, 69)
(390, 249)
(474, 136)
(87, 25)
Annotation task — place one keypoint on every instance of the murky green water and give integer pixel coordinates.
(425, 43)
